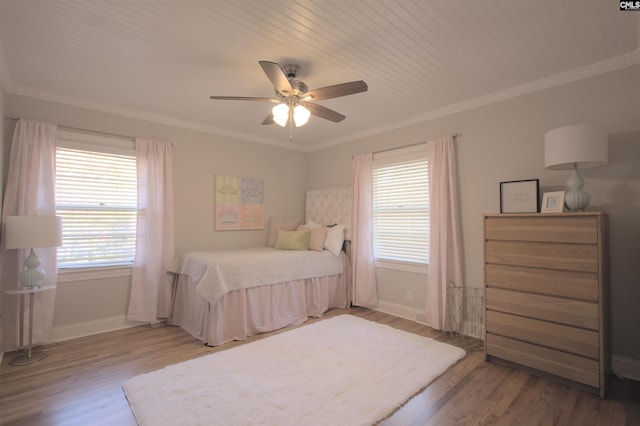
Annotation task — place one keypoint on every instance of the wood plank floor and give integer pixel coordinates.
(79, 383)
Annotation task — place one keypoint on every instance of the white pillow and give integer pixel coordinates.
(335, 239)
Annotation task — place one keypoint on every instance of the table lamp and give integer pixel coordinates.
(32, 232)
(573, 147)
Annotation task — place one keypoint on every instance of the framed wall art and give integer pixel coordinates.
(239, 203)
(520, 196)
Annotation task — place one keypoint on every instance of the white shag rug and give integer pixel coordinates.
(343, 370)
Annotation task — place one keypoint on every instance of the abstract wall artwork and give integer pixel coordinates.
(239, 203)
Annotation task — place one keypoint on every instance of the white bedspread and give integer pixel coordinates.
(219, 272)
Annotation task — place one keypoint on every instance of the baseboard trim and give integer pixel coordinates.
(620, 366)
(626, 368)
(401, 311)
(59, 334)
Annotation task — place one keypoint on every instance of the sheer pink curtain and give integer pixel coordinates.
(30, 190)
(150, 285)
(445, 247)
(364, 288)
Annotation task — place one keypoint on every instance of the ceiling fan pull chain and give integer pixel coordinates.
(290, 124)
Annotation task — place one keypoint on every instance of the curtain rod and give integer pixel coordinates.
(97, 132)
(455, 135)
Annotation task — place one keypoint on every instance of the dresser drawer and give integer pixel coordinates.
(575, 285)
(554, 309)
(568, 257)
(582, 230)
(569, 339)
(569, 366)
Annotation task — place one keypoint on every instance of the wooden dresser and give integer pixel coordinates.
(546, 294)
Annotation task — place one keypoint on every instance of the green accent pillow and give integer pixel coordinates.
(292, 240)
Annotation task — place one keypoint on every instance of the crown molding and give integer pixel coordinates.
(592, 70)
(17, 89)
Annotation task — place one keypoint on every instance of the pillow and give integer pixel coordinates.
(335, 239)
(317, 237)
(311, 225)
(292, 240)
(275, 225)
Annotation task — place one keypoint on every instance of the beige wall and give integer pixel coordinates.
(505, 141)
(499, 142)
(92, 305)
(4, 128)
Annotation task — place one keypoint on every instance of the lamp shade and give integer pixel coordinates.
(33, 231)
(280, 114)
(301, 115)
(577, 146)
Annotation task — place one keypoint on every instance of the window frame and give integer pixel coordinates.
(86, 141)
(414, 152)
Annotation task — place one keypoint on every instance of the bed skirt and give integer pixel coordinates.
(243, 313)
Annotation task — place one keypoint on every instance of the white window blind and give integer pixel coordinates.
(401, 209)
(96, 195)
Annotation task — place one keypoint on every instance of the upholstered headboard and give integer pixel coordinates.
(330, 205)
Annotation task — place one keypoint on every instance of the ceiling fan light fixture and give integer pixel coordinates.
(295, 102)
(301, 115)
(280, 114)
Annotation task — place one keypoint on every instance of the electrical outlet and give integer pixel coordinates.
(409, 296)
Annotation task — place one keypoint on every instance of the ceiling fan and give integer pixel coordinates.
(295, 102)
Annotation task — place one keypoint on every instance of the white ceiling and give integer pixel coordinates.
(161, 59)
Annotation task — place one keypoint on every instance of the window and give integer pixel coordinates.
(96, 195)
(401, 206)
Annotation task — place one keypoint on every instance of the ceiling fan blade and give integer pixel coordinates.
(243, 98)
(277, 76)
(268, 119)
(336, 91)
(323, 112)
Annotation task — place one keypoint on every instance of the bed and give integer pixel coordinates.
(220, 296)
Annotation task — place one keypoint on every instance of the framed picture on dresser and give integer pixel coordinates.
(553, 202)
(520, 196)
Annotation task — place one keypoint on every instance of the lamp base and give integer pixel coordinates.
(575, 198)
(576, 201)
(32, 275)
(25, 359)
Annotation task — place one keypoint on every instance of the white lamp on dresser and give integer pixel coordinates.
(573, 147)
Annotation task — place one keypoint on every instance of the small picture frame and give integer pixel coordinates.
(520, 196)
(553, 202)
